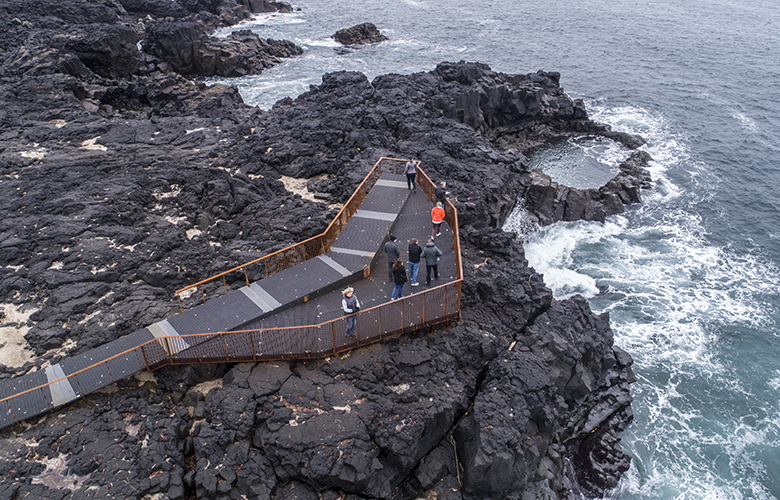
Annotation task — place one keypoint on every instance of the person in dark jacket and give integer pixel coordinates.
(431, 255)
(415, 251)
(441, 193)
(399, 278)
(350, 304)
(393, 254)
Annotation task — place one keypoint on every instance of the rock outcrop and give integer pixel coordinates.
(119, 188)
(360, 34)
(191, 52)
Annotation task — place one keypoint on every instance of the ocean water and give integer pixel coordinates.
(690, 276)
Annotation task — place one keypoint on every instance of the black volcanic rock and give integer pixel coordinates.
(551, 202)
(111, 51)
(120, 187)
(191, 52)
(360, 34)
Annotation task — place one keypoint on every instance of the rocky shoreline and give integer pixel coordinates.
(122, 181)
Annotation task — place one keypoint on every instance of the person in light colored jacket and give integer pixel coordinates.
(350, 304)
(411, 173)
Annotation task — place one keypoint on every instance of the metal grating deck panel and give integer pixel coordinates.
(222, 314)
(29, 404)
(385, 199)
(366, 235)
(297, 282)
(354, 263)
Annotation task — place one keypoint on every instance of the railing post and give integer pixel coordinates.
(181, 308)
(333, 333)
(224, 282)
(252, 343)
(170, 351)
(109, 373)
(266, 269)
(140, 367)
(143, 351)
(43, 393)
(424, 300)
(8, 402)
(403, 321)
(202, 292)
(79, 384)
(246, 276)
(445, 302)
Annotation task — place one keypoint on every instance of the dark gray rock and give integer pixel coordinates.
(122, 185)
(360, 34)
(191, 52)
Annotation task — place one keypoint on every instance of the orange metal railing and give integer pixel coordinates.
(420, 310)
(300, 252)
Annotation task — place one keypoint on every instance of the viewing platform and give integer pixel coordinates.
(286, 305)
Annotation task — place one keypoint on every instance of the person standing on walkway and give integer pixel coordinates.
(431, 255)
(415, 251)
(351, 305)
(393, 254)
(440, 193)
(411, 173)
(437, 215)
(399, 278)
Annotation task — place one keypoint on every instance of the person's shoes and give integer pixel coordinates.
(438, 234)
(415, 284)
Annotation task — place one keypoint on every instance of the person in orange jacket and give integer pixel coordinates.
(437, 215)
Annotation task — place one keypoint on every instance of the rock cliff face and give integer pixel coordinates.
(120, 186)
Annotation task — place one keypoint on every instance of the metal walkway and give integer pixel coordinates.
(292, 312)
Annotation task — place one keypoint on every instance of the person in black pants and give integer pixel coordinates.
(431, 255)
(411, 173)
(441, 193)
(393, 254)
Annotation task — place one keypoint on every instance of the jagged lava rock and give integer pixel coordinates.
(360, 34)
(118, 190)
(191, 52)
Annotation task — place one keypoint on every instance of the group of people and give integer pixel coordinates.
(440, 194)
(396, 272)
(395, 265)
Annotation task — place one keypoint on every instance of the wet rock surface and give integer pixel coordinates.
(122, 184)
(360, 34)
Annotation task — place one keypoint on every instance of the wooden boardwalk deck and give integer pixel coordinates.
(308, 293)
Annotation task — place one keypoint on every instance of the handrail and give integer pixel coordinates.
(316, 245)
(154, 360)
(426, 308)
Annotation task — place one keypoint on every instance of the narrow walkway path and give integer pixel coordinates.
(305, 294)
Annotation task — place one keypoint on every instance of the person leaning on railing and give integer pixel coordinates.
(351, 305)
(440, 193)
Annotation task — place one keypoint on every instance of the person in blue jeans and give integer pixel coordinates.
(415, 251)
(399, 278)
(350, 305)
